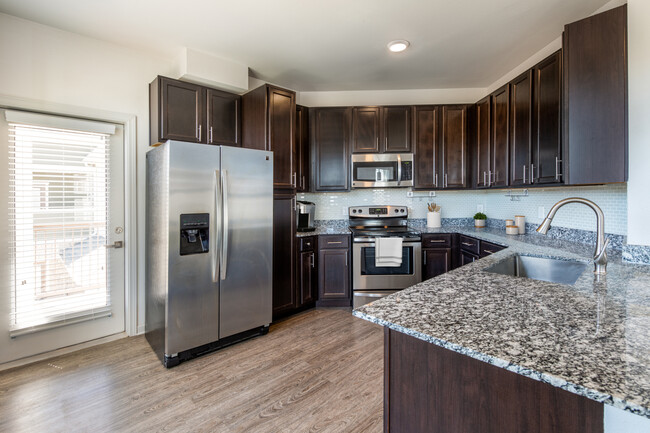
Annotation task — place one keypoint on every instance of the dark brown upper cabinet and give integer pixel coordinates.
(302, 148)
(595, 99)
(396, 129)
(189, 112)
(381, 129)
(426, 146)
(521, 124)
(330, 130)
(365, 130)
(500, 146)
(268, 119)
(454, 147)
(483, 139)
(547, 129)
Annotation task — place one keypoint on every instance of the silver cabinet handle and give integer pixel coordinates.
(116, 245)
(446, 183)
(484, 179)
(437, 241)
(488, 251)
(489, 178)
(313, 260)
(210, 139)
(557, 170)
(467, 244)
(200, 133)
(293, 179)
(436, 180)
(425, 258)
(304, 183)
(524, 173)
(226, 224)
(332, 242)
(532, 173)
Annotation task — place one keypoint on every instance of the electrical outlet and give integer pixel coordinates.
(541, 212)
(479, 208)
(344, 211)
(409, 193)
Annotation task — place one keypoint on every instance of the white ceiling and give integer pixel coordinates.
(314, 45)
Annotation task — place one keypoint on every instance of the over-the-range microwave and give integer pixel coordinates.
(382, 170)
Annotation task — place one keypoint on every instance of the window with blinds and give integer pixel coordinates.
(58, 218)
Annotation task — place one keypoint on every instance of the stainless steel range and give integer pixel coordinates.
(370, 281)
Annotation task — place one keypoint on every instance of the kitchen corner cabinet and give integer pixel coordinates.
(595, 99)
(268, 123)
(334, 288)
(329, 130)
(190, 112)
(284, 228)
(381, 129)
(302, 149)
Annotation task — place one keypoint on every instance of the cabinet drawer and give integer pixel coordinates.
(488, 248)
(306, 243)
(436, 241)
(334, 241)
(469, 244)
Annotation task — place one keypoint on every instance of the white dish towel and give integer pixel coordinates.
(388, 252)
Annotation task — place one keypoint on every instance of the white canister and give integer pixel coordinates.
(512, 230)
(510, 222)
(434, 220)
(520, 221)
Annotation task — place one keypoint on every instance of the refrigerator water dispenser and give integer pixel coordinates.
(195, 237)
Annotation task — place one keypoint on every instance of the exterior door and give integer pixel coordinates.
(63, 276)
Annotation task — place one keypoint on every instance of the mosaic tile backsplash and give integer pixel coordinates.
(461, 204)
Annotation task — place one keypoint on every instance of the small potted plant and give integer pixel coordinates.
(479, 219)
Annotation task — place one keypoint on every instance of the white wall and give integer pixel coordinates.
(638, 197)
(391, 97)
(44, 64)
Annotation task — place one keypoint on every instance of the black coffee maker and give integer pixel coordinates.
(305, 216)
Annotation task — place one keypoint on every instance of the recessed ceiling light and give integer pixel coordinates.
(398, 46)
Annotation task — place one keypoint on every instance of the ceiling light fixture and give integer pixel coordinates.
(398, 46)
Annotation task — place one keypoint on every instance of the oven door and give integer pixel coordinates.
(367, 276)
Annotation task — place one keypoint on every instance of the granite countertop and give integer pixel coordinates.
(334, 227)
(592, 338)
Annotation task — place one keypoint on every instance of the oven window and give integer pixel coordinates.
(375, 171)
(368, 263)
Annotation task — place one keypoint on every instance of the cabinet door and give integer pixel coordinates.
(302, 148)
(306, 269)
(483, 141)
(365, 130)
(334, 276)
(436, 262)
(284, 228)
(521, 122)
(454, 146)
(426, 147)
(500, 136)
(181, 111)
(223, 118)
(548, 97)
(282, 109)
(330, 148)
(596, 105)
(396, 129)
(466, 258)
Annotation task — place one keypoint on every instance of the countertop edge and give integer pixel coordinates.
(507, 365)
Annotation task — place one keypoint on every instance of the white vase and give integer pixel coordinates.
(434, 220)
(479, 223)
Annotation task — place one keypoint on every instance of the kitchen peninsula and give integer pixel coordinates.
(472, 350)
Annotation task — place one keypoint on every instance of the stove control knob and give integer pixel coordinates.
(402, 210)
(354, 211)
(396, 210)
(359, 210)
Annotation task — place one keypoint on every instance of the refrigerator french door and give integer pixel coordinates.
(209, 247)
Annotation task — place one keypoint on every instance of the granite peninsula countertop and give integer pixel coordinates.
(592, 338)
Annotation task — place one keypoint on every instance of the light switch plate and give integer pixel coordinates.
(479, 208)
(541, 212)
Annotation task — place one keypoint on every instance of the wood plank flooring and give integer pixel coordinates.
(318, 371)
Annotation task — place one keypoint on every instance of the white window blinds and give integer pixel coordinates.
(58, 219)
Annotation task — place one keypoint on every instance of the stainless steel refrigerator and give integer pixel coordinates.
(209, 247)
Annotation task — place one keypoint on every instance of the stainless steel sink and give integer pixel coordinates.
(539, 268)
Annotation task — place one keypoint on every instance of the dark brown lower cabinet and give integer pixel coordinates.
(306, 281)
(466, 257)
(334, 289)
(436, 261)
(284, 229)
(431, 389)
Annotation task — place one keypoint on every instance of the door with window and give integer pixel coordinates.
(64, 223)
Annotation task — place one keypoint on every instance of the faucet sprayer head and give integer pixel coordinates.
(544, 226)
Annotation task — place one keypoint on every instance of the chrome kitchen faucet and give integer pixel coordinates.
(600, 255)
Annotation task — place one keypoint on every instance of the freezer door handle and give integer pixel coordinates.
(217, 226)
(225, 224)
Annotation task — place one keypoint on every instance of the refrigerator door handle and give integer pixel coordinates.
(217, 226)
(225, 224)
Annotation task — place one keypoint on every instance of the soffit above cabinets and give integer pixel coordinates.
(329, 45)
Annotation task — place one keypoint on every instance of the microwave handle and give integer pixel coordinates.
(399, 169)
